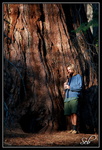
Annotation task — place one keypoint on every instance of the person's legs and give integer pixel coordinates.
(74, 119)
(70, 123)
(74, 111)
(74, 123)
(70, 109)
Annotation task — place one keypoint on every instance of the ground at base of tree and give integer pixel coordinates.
(18, 138)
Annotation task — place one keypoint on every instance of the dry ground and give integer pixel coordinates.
(16, 138)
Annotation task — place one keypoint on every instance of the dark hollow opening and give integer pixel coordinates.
(30, 124)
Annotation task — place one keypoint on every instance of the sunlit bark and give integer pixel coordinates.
(38, 45)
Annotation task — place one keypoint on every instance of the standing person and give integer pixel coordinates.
(72, 87)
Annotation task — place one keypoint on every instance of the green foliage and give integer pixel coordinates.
(85, 26)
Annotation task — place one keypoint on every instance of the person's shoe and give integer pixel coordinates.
(74, 132)
(70, 131)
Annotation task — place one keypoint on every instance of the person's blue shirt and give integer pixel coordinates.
(75, 83)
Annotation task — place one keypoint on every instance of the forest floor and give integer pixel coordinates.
(18, 138)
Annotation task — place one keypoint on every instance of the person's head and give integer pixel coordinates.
(71, 69)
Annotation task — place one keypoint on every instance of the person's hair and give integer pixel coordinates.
(72, 66)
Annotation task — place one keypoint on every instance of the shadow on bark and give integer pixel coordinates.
(34, 104)
(29, 102)
(88, 110)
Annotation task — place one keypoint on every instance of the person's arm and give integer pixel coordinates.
(66, 84)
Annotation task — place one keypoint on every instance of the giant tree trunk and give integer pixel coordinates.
(38, 44)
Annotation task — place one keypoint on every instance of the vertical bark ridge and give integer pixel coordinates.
(39, 43)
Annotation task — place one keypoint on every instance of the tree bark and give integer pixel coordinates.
(38, 45)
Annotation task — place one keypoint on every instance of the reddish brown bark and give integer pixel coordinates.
(37, 47)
